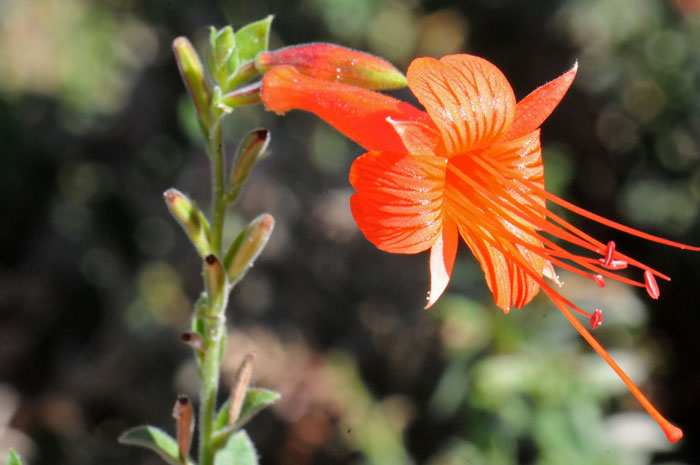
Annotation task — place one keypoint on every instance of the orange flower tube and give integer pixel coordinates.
(468, 167)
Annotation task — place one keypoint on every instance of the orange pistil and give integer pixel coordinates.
(468, 167)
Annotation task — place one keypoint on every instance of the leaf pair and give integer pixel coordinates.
(235, 445)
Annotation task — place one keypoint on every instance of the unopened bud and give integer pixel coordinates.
(214, 280)
(248, 95)
(191, 218)
(247, 246)
(192, 339)
(192, 74)
(183, 413)
(253, 148)
(330, 62)
(240, 387)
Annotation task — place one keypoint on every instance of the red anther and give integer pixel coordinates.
(596, 318)
(609, 253)
(650, 284)
(599, 280)
(614, 264)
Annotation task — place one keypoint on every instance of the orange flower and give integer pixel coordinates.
(470, 166)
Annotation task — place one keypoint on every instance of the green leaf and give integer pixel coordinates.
(221, 44)
(256, 399)
(222, 415)
(252, 39)
(239, 450)
(13, 458)
(155, 439)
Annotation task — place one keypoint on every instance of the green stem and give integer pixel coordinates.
(216, 154)
(214, 322)
(210, 385)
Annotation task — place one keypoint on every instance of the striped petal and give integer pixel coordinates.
(442, 260)
(398, 204)
(468, 98)
(531, 111)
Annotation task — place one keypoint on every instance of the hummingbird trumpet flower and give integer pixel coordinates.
(469, 167)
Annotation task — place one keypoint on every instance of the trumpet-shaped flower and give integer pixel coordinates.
(468, 167)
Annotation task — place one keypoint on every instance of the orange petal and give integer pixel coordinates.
(358, 113)
(509, 282)
(523, 156)
(467, 97)
(419, 138)
(531, 111)
(442, 260)
(398, 204)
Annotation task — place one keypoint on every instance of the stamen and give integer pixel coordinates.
(599, 280)
(650, 284)
(609, 253)
(596, 318)
(673, 433)
(614, 264)
(471, 212)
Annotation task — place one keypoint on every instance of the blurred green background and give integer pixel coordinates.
(96, 281)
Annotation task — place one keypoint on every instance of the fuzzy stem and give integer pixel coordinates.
(216, 154)
(214, 334)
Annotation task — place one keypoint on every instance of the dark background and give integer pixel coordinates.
(96, 281)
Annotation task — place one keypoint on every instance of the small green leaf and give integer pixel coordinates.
(222, 415)
(221, 45)
(155, 439)
(256, 399)
(239, 450)
(13, 458)
(252, 39)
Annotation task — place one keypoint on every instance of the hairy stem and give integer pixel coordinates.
(214, 322)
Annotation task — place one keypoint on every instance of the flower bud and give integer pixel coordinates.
(191, 218)
(192, 74)
(215, 282)
(251, 150)
(247, 95)
(183, 413)
(330, 62)
(247, 246)
(240, 387)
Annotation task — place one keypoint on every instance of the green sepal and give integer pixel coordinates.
(256, 399)
(222, 44)
(239, 450)
(13, 458)
(155, 439)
